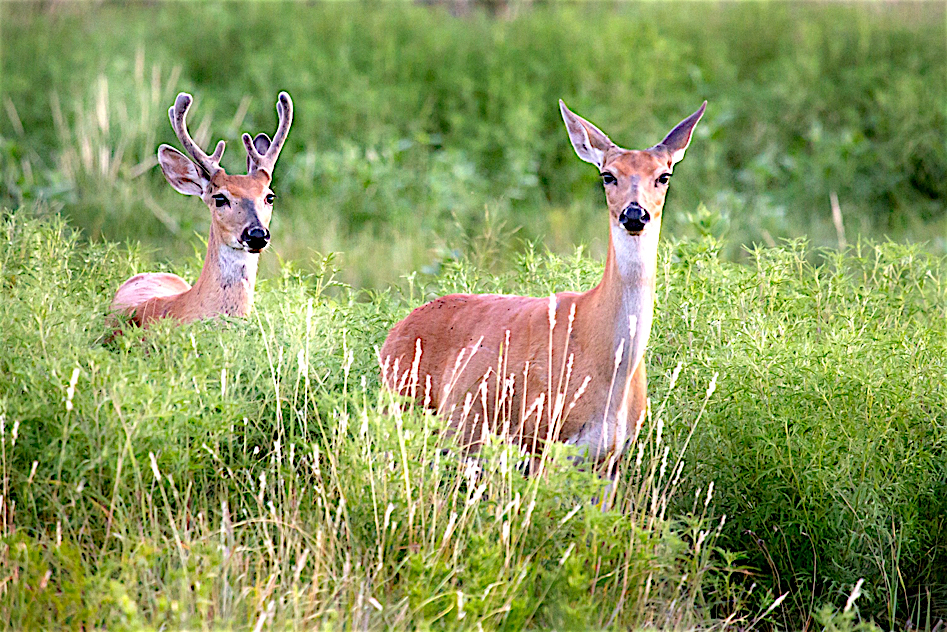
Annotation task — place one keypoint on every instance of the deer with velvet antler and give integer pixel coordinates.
(240, 208)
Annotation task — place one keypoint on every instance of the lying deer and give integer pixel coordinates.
(240, 210)
(567, 368)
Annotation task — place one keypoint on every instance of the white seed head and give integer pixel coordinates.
(674, 375)
(710, 493)
(856, 593)
(154, 466)
(71, 391)
(713, 385)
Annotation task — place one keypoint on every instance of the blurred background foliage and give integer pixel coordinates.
(425, 133)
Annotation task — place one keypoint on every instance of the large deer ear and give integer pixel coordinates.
(261, 143)
(180, 172)
(589, 142)
(680, 137)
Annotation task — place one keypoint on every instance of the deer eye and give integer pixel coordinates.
(269, 198)
(608, 178)
(664, 178)
(220, 200)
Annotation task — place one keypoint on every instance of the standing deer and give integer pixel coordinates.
(567, 368)
(240, 210)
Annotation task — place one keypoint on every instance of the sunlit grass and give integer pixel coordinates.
(242, 472)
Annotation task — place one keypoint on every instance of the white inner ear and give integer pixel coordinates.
(676, 156)
(180, 172)
(583, 145)
(595, 156)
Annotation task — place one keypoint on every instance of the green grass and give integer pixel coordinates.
(417, 131)
(827, 437)
(220, 473)
(227, 472)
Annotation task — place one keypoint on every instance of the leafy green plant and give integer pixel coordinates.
(826, 442)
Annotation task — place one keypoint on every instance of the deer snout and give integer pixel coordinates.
(256, 238)
(634, 218)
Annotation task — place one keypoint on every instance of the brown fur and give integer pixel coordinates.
(147, 297)
(466, 338)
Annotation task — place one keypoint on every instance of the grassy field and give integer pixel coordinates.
(230, 473)
(250, 474)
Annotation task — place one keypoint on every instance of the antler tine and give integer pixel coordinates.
(284, 109)
(177, 114)
(255, 157)
(266, 161)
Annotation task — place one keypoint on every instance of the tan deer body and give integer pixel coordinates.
(564, 368)
(241, 207)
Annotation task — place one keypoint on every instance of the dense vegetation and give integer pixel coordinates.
(420, 136)
(247, 473)
(230, 472)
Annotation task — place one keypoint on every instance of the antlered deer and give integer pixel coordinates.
(569, 367)
(240, 209)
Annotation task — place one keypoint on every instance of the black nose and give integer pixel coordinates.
(256, 238)
(634, 218)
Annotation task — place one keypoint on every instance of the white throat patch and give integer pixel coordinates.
(636, 262)
(237, 266)
(636, 259)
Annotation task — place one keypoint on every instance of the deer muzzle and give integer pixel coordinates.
(634, 218)
(256, 238)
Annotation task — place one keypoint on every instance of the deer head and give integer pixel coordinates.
(240, 205)
(636, 182)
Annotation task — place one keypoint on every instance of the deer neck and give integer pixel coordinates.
(227, 279)
(622, 305)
